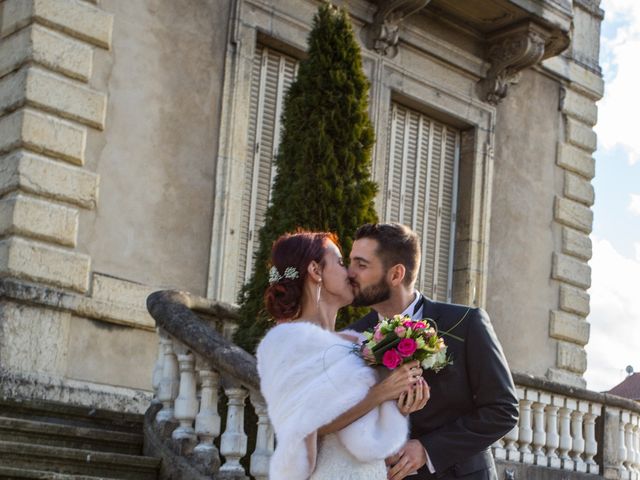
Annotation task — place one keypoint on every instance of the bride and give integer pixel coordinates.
(334, 418)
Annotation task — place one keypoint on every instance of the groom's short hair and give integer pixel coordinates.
(396, 244)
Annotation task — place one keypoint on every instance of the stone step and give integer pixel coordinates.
(78, 462)
(8, 473)
(69, 436)
(66, 414)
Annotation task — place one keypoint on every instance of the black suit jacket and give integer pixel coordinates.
(473, 401)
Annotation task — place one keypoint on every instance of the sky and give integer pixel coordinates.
(614, 342)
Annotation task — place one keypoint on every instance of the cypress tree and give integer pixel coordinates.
(323, 164)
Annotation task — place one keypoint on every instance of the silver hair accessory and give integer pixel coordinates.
(289, 272)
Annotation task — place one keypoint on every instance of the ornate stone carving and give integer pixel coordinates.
(513, 50)
(384, 32)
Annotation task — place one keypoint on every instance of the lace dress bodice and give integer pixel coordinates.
(334, 462)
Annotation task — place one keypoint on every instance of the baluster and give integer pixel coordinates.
(566, 442)
(264, 441)
(590, 444)
(208, 420)
(156, 377)
(539, 434)
(525, 434)
(168, 389)
(553, 437)
(636, 440)
(578, 439)
(229, 328)
(499, 452)
(186, 405)
(622, 448)
(631, 446)
(233, 444)
(511, 438)
(628, 441)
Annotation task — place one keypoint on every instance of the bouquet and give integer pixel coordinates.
(399, 339)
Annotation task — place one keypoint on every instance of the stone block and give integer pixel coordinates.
(578, 188)
(73, 17)
(576, 243)
(566, 377)
(120, 291)
(25, 171)
(580, 135)
(569, 327)
(53, 93)
(574, 300)
(44, 134)
(33, 339)
(571, 357)
(582, 79)
(40, 45)
(40, 219)
(573, 214)
(576, 160)
(579, 106)
(571, 270)
(38, 262)
(67, 98)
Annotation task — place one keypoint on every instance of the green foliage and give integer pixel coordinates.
(324, 160)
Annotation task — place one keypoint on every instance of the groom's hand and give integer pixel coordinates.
(409, 459)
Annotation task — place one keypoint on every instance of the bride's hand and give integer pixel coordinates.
(414, 400)
(400, 380)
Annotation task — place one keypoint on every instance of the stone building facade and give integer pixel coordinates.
(136, 141)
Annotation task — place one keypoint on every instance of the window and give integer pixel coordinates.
(420, 191)
(271, 76)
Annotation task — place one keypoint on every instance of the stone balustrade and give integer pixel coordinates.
(561, 429)
(188, 387)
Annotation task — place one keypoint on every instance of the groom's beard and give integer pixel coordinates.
(372, 295)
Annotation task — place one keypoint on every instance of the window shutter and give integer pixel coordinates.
(271, 77)
(421, 191)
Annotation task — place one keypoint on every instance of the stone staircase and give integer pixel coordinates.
(42, 440)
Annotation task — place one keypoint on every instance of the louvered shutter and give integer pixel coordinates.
(420, 191)
(271, 77)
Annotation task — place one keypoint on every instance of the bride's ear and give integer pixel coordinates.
(314, 271)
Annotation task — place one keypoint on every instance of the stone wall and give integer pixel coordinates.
(148, 101)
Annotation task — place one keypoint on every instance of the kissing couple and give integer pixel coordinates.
(338, 417)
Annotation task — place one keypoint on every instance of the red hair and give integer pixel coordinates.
(283, 299)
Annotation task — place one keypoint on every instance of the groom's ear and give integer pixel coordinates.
(396, 274)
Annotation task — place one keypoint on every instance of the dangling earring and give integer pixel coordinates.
(319, 289)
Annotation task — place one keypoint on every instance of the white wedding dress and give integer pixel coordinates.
(334, 462)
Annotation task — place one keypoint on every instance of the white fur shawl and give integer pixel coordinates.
(309, 376)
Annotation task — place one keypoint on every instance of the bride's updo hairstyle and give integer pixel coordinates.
(283, 297)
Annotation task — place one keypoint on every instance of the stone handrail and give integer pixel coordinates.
(196, 362)
(561, 429)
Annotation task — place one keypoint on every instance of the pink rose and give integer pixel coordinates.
(391, 359)
(367, 354)
(407, 346)
(407, 324)
(378, 335)
(419, 325)
(400, 331)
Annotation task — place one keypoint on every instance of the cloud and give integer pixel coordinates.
(634, 204)
(622, 75)
(614, 317)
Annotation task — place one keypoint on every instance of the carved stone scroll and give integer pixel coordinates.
(514, 49)
(385, 30)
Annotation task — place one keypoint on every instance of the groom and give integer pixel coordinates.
(473, 401)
